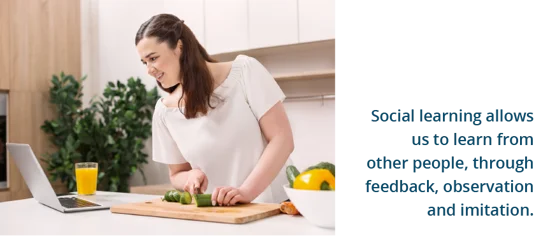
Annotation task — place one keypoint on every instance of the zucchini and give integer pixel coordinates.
(324, 165)
(203, 200)
(291, 173)
(185, 198)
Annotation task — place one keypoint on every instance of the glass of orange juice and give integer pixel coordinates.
(86, 178)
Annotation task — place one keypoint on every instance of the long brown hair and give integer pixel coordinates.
(195, 78)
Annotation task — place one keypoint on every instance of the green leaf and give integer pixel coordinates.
(71, 185)
(101, 175)
(130, 115)
(110, 139)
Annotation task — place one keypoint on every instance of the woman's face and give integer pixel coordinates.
(161, 61)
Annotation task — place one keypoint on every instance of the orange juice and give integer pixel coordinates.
(86, 178)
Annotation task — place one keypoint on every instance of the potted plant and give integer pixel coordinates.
(112, 131)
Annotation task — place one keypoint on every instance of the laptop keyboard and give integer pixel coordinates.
(74, 202)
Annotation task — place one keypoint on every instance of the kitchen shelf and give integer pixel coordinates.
(325, 74)
(282, 49)
(159, 189)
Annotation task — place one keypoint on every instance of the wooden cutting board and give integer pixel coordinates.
(223, 214)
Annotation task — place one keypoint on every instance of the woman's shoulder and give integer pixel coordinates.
(159, 108)
(248, 66)
(162, 105)
(245, 62)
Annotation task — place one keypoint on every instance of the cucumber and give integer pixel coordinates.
(176, 195)
(185, 198)
(203, 200)
(291, 173)
(324, 165)
(168, 196)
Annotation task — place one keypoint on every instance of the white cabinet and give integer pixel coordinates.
(116, 56)
(191, 12)
(236, 25)
(316, 20)
(226, 25)
(272, 22)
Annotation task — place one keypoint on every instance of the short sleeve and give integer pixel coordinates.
(165, 149)
(262, 91)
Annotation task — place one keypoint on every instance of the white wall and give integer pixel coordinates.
(108, 51)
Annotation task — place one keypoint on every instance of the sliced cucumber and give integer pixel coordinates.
(203, 200)
(176, 195)
(185, 198)
(168, 196)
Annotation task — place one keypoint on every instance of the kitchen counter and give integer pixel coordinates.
(30, 217)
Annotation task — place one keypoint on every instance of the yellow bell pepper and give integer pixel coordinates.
(313, 179)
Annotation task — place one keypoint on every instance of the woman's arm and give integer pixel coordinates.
(276, 128)
(178, 174)
(183, 177)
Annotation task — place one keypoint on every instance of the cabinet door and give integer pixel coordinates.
(191, 12)
(316, 20)
(226, 25)
(273, 22)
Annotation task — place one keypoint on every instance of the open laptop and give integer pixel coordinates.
(42, 190)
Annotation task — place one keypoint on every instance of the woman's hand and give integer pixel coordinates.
(228, 196)
(197, 182)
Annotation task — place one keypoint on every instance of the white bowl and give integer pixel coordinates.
(317, 207)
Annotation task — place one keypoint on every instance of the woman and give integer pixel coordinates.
(222, 129)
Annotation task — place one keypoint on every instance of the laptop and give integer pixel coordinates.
(42, 190)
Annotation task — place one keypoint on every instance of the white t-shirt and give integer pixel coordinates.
(227, 143)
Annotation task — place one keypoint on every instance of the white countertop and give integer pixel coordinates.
(30, 217)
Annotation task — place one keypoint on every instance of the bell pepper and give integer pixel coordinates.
(315, 179)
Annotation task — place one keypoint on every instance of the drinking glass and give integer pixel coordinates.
(86, 178)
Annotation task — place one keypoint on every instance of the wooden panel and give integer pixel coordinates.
(278, 50)
(310, 75)
(4, 45)
(27, 113)
(5, 195)
(43, 39)
(231, 214)
(160, 189)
